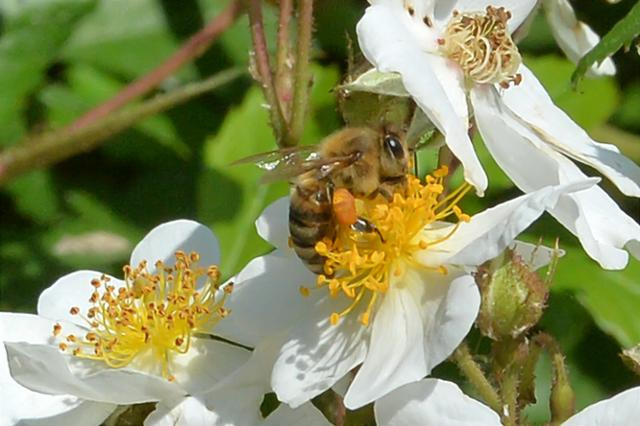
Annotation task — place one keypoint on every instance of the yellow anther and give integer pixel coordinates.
(334, 318)
(364, 318)
(304, 291)
(57, 328)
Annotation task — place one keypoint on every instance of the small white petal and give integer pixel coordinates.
(273, 224)
(20, 404)
(306, 414)
(185, 412)
(432, 402)
(391, 46)
(621, 409)
(602, 227)
(396, 354)
(44, 369)
(536, 255)
(530, 102)
(266, 298)
(520, 9)
(574, 37)
(317, 354)
(164, 240)
(71, 290)
(491, 231)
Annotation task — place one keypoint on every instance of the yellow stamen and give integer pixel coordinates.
(362, 262)
(154, 313)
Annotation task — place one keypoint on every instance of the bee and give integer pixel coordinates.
(352, 162)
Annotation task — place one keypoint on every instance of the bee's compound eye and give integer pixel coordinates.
(393, 146)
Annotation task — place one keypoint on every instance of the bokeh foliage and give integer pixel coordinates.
(60, 57)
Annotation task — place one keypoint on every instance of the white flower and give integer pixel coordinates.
(98, 341)
(398, 302)
(574, 37)
(441, 50)
(439, 402)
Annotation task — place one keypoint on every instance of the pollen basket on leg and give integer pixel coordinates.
(363, 265)
(153, 316)
(481, 44)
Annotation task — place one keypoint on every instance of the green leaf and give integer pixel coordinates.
(612, 297)
(231, 197)
(34, 33)
(591, 106)
(35, 196)
(623, 32)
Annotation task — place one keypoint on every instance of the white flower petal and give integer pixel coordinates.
(574, 37)
(391, 46)
(44, 369)
(432, 402)
(396, 354)
(188, 411)
(602, 227)
(531, 103)
(520, 9)
(317, 354)
(164, 240)
(273, 224)
(20, 404)
(621, 409)
(306, 414)
(491, 231)
(536, 255)
(266, 298)
(71, 290)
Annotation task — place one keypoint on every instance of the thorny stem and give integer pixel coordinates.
(263, 68)
(56, 146)
(193, 48)
(302, 71)
(282, 53)
(562, 400)
(509, 391)
(476, 376)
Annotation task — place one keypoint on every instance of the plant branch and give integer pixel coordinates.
(58, 145)
(263, 69)
(282, 52)
(476, 376)
(302, 71)
(193, 48)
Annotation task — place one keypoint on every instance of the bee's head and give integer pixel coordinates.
(394, 156)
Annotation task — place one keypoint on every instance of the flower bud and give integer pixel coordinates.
(513, 296)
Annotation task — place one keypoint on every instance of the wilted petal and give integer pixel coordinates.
(574, 37)
(265, 283)
(602, 227)
(316, 355)
(20, 404)
(388, 42)
(621, 409)
(163, 241)
(530, 102)
(44, 368)
(306, 415)
(72, 290)
(396, 354)
(273, 224)
(432, 402)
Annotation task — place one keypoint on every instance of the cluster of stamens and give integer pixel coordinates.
(363, 265)
(152, 314)
(482, 46)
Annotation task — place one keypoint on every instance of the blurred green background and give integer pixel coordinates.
(58, 58)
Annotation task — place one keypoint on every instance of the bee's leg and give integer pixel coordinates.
(363, 225)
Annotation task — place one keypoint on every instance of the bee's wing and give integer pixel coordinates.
(287, 163)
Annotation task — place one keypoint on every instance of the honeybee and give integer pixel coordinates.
(352, 162)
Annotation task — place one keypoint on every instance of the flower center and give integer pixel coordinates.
(480, 43)
(152, 314)
(361, 265)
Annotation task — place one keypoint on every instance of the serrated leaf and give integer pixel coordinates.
(381, 83)
(33, 35)
(622, 33)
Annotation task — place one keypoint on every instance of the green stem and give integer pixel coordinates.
(283, 59)
(302, 72)
(263, 68)
(509, 391)
(56, 146)
(477, 378)
(562, 399)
